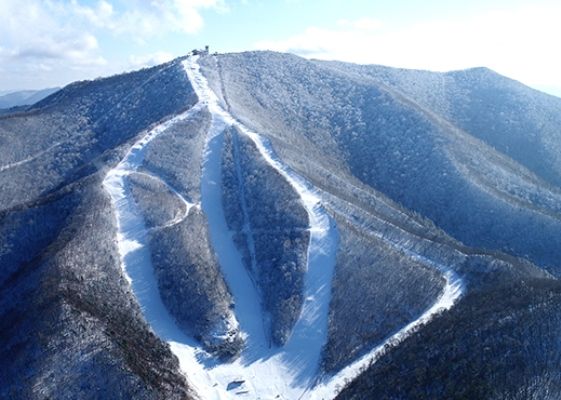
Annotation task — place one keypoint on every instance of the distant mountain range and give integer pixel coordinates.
(24, 97)
(257, 225)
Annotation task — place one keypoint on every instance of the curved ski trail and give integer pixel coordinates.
(186, 204)
(132, 244)
(115, 180)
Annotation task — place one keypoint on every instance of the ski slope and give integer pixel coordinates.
(261, 371)
(267, 371)
(301, 354)
(331, 385)
(135, 254)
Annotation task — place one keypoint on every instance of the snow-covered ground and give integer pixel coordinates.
(262, 371)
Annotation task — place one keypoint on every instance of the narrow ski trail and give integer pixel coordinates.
(187, 205)
(261, 372)
(453, 290)
(29, 158)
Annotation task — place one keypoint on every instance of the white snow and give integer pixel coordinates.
(262, 371)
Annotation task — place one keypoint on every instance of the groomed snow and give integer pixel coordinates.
(453, 289)
(261, 372)
(296, 369)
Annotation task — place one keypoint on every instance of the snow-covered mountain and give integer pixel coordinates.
(257, 225)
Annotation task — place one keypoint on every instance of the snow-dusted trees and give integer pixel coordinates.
(270, 228)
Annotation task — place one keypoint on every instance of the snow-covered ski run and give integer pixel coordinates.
(261, 372)
(267, 371)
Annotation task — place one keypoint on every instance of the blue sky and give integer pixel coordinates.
(53, 42)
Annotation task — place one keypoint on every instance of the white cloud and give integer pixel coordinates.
(40, 31)
(56, 41)
(148, 18)
(149, 60)
(80, 50)
(363, 24)
(520, 42)
(97, 16)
